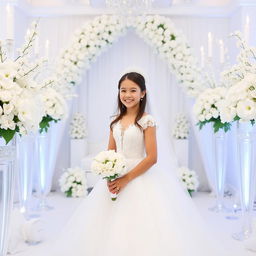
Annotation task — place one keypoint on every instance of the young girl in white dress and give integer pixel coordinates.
(153, 215)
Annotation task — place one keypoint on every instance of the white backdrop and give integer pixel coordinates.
(98, 90)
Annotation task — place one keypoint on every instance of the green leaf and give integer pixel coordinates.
(7, 134)
(69, 193)
(45, 123)
(173, 37)
(236, 118)
(219, 125)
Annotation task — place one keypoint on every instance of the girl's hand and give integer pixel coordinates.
(118, 184)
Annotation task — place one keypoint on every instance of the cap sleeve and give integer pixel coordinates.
(147, 121)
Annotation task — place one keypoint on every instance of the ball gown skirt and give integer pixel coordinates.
(147, 219)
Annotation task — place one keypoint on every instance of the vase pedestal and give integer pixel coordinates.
(220, 157)
(44, 177)
(246, 148)
(7, 181)
(78, 150)
(181, 150)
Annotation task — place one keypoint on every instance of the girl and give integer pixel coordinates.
(153, 215)
(132, 103)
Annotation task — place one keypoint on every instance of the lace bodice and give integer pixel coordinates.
(130, 142)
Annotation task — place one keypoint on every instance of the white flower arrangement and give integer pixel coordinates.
(23, 107)
(78, 127)
(102, 31)
(109, 165)
(73, 182)
(87, 44)
(189, 179)
(172, 46)
(240, 103)
(181, 127)
(209, 106)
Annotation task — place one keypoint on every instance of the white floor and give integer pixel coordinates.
(63, 207)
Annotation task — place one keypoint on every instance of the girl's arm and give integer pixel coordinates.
(150, 159)
(111, 142)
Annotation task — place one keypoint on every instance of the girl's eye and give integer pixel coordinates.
(133, 91)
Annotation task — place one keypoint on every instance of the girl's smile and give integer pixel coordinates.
(130, 93)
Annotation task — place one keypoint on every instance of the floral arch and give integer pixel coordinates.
(98, 34)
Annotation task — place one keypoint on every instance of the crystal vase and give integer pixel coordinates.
(246, 143)
(7, 171)
(26, 164)
(44, 173)
(220, 157)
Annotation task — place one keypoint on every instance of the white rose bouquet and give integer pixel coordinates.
(181, 128)
(208, 108)
(189, 179)
(73, 182)
(109, 165)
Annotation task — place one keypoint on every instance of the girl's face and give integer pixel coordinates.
(130, 93)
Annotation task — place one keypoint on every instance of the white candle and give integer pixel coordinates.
(247, 29)
(222, 54)
(209, 44)
(202, 56)
(47, 43)
(28, 32)
(9, 22)
(36, 46)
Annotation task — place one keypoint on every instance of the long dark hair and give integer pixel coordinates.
(140, 81)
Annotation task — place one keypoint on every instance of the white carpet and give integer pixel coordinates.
(63, 208)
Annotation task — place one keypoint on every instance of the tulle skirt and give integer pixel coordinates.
(152, 216)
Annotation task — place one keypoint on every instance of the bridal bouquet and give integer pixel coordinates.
(73, 182)
(189, 179)
(109, 165)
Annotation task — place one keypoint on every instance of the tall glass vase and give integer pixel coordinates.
(44, 174)
(7, 171)
(246, 143)
(26, 164)
(220, 157)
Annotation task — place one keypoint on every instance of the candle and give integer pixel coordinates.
(222, 55)
(47, 43)
(9, 22)
(36, 46)
(209, 44)
(247, 29)
(28, 32)
(202, 56)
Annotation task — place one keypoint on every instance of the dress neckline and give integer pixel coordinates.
(128, 126)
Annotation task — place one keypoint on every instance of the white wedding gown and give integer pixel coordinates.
(152, 216)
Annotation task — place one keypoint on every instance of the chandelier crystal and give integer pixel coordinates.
(130, 7)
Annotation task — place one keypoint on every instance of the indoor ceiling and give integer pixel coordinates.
(101, 3)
